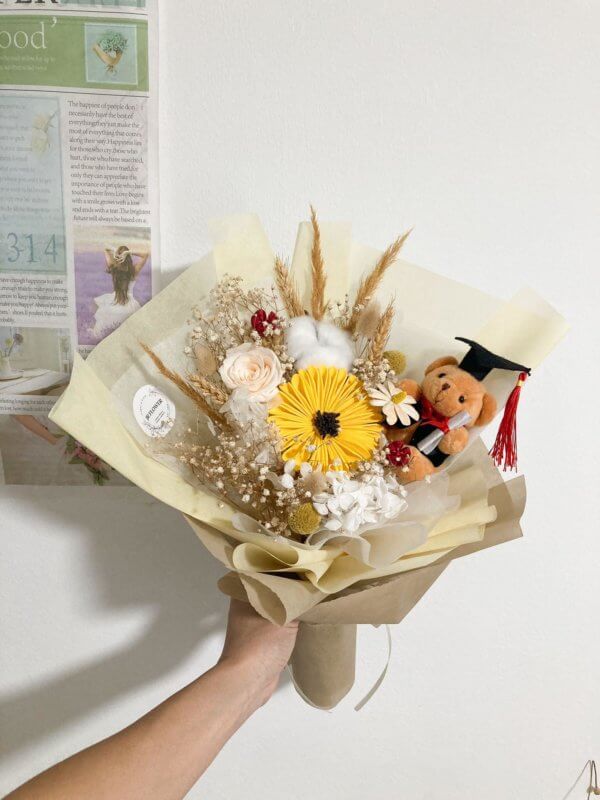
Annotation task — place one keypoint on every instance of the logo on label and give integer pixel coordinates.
(153, 411)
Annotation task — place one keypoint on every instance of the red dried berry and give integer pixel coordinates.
(260, 319)
(398, 454)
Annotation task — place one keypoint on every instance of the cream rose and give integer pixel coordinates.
(256, 369)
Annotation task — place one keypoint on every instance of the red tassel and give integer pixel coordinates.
(504, 451)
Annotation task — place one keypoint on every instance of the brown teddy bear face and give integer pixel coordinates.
(451, 390)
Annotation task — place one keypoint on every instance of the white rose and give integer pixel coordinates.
(256, 369)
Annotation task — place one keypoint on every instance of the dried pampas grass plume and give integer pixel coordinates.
(370, 283)
(314, 482)
(188, 390)
(380, 340)
(287, 289)
(319, 277)
(368, 321)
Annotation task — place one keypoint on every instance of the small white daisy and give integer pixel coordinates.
(395, 403)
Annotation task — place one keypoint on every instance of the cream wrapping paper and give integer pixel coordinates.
(327, 585)
(331, 570)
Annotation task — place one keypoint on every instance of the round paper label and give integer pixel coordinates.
(153, 411)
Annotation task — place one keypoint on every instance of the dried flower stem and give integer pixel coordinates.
(319, 277)
(380, 340)
(369, 284)
(287, 289)
(194, 395)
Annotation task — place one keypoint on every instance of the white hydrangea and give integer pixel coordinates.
(243, 410)
(352, 504)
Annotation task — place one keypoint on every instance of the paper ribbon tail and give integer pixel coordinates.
(382, 674)
(323, 663)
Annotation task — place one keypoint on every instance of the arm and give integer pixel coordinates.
(411, 387)
(141, 263)
(163, 754)
(31, 423)
(108, 257)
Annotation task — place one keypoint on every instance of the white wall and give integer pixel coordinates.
(477, 123)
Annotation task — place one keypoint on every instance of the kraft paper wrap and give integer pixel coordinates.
(324, 586)
(323, 662)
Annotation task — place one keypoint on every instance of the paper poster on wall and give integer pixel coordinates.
(79, 237)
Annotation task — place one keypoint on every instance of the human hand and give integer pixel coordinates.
(258, 648)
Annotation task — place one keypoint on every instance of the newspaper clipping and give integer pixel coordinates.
(78, 210)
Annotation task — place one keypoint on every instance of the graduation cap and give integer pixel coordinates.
(479, 362)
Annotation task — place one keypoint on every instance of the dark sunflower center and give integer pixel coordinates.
(327, 423)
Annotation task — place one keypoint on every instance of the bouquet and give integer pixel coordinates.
(318, 424)
(110, 48)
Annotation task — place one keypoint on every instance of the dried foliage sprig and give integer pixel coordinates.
(190, 391)
(319, 276)
(287, 289)
(206, 363)
(380, 340)
(370, 283)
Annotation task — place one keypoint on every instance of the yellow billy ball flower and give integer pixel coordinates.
(396, 359)
(324, 417)
(304, 520)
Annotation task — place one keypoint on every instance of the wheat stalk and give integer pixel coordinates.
(380, 340)
(287, 289)
(370, 283)
(319, 277)
(208, 388)
(187, 390)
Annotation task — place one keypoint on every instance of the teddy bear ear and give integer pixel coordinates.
(488, 410)
(444, 361)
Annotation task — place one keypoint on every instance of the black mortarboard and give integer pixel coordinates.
(479, 362)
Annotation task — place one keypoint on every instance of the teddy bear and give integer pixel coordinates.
(445, 391)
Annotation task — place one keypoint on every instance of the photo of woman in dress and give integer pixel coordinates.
(124, 266)
(113, 278)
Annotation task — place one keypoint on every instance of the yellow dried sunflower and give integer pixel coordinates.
(324, 417)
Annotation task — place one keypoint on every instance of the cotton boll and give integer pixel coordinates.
(313, 343)
(331, 335)
(323, 357)
(301, 336)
